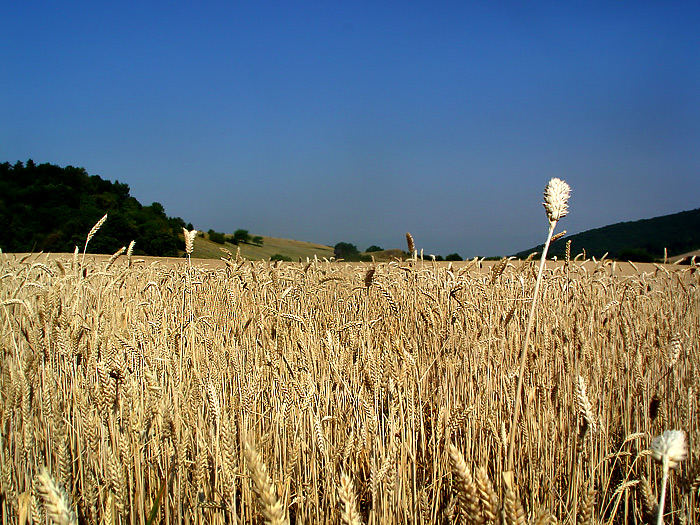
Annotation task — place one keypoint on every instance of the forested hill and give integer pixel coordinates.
(641, 241)
(48, 208)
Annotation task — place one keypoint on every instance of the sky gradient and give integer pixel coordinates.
(361, 121)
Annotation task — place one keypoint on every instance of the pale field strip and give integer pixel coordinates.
(622, 268)
(322, 392)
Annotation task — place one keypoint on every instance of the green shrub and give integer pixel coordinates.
(217, 237)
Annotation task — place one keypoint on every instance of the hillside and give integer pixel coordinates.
(51, 209)
(643, 240)
(48, 208)
(294, 250)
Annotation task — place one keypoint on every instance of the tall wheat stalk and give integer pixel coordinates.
(556, 197)
(187, 291)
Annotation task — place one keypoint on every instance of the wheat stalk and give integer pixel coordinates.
(138, 388)
(556, 196)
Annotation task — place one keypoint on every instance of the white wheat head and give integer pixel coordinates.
(673, 445)
(56, 502)
(189, 240)
(556, 197)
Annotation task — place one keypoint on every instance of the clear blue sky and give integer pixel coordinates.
(359, 121)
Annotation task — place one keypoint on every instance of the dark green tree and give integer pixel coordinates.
(345, 250)
(241, 236)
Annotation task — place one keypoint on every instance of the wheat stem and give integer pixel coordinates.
(524, 351)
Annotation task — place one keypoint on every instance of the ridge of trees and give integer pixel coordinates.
(48, 208)
(639, 241)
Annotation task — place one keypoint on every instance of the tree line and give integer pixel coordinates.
(639, 241)
(349, 252)
(240, 236)
(48, 208)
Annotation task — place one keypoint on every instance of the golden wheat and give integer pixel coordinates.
(356, 391)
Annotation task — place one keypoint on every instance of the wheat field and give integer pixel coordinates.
(325, 392)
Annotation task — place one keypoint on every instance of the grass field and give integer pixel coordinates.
(295, 250)
(331, 393)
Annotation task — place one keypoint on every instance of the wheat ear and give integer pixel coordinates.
(411, 245)
(669, 449)
(467, 498)
(129, 252)
(56, 501)
(189, 240)
(487, 496)
(649, 504)
(91, 234)
(272, 509)
(349, 513)
(513, 512)
(114, 257)
(584, 404)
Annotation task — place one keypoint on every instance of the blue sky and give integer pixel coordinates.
(359, 121)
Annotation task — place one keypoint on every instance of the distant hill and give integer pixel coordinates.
(48, 208)
(642, 241)
(386, 255)
(271, 247)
